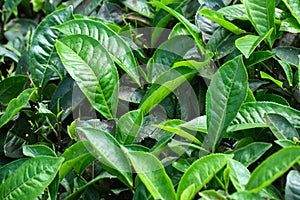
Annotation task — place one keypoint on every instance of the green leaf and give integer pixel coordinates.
(15, 105)
(76, 156)
(7, 170)
(250, 153)
(248, 43)
(212, 195)
(239, 175)
(106, 147)
(257, 57)
(38, 150)
(292, 185)
(294, 7)
(197, 124)
(37, 174)
(177, 30)
(281, 127)
(226, 93)
(11, 87)
(188, 193)
(285, 143)
(42, 51)
(269, 170)
(290, 24)
(111, 41)
(269, 77)
(287, 70)
(219, 18)
(89, 64)
(192, 29)
(8, 8)
(288, 54)
(128, 126)
(140, 7)
(261, 14)
(245, 195)
(152, 174)
(251, 115)
(236, 11)
(201, 172)
(164, 85)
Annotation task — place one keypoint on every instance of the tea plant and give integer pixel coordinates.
(150, 100)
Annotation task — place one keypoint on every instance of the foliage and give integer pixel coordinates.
(149, 100)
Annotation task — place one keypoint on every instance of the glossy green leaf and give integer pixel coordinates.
(288, 54)
(269, 170)
(294, 7)
(37, 174)
(76, 156)
(251, 115)
(188, 193)
(264, 75)
(219, 18)
(261, 14)
(212, 195)
(292, 185)
(287, 70)
(89, 64)
(245, 195)
(250, 153)
(226, 93)
(248, 43)
(167, 54)
(236, 11)
(197, 124)
(164, 85)
(139, 6)
(113, 43)
(42, 50)
(290, 24)
(15, 105)
(239, 175)
(178, 29)
(272, 98)
(152, 174)
(11, 87)
(281, 127)
(106, 147)
(38, 150)
(193, 30)
(285, 143)
(128, 126)
(201, 172)
(257, 57)
(9, 7)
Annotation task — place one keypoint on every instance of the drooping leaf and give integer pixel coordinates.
(251, 115)
(11, 87)
(37, 174)
(248, 43)
(261, 14)
(15, 105)
(106, 147)
(201, 172)
(292, 185)
(42, 50)
(269, 170)
(152, 174)
(250, 153)
(164, 85)
(294, 7)
(281, 127)
(38, 150)
(113, 43)
(219, 18)
(89, 64)
(128, 126)
(226, 93)
(193, 30)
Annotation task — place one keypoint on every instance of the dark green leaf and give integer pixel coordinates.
(9, 8)
(292, 185)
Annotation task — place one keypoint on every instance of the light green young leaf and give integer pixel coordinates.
(38, 150)
(269, 77)
(128, 127)
(89, 64)
(219, 18)
(239, 175)
(106, 147)
(261, 14)
(42, 50)
(193, 30)
(294, 7)
(152, 174)
(269, 170)
(37, 174)
(225, 95)
(113, 43)
(15, 105)
(188, 193)
(248, 43)
(201, 172)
